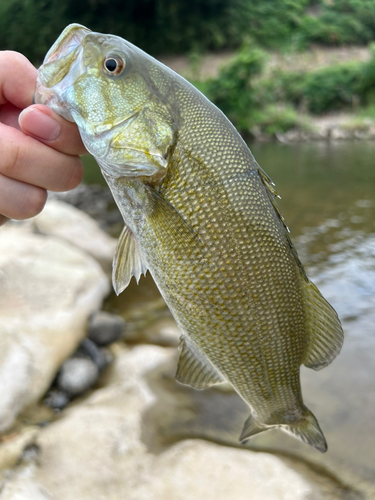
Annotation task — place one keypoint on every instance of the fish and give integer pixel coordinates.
(202, 217)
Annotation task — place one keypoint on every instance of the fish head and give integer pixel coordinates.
(103, 83)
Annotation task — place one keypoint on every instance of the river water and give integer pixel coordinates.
(328, 200)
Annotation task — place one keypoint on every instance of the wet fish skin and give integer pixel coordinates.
(201, 215)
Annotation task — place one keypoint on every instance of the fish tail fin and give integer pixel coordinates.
(305, 428)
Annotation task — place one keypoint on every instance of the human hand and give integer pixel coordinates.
(38, 148)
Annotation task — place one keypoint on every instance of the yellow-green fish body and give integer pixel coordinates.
(201, 215)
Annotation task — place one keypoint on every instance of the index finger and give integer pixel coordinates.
(17, 79)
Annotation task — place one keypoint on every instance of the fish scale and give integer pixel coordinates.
(201, 216)
(236, 307)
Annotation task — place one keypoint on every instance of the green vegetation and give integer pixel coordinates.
(183, 26)
(279, 101)
(234, 91)
(253, 99)
(340, 22)
(327, 89)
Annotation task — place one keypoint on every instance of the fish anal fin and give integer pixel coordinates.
(324, 329)
(194, 369)
(127, 261)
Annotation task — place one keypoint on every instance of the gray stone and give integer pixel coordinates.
(100, 356)
(57, 399)
(48, 289)
(77, 375)
(104, 328)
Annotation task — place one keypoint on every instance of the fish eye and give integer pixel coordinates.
(113, 64)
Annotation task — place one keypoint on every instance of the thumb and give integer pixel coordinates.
(40, 122)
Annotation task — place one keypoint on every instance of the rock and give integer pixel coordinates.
(104, 328)
(23, 488)
(57, 399)
(97, 201)
(162, 331)
(101, 357)
(110, 439)
(11, 449)
(48, 289)
(77, 375)
(70, 224)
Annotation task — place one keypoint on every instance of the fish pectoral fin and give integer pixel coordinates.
(324, 329)
(169, 221)
(127, 261)
(194, 369)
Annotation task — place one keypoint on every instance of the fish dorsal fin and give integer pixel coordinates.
(272, 195)
(194, 369)
(127, 261)
(324, 329)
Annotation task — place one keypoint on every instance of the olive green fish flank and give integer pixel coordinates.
(202, 217)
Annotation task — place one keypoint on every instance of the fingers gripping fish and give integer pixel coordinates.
(201, 216)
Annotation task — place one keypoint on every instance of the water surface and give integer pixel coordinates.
(328, 200)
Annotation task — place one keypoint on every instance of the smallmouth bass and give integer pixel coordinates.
(201, 216)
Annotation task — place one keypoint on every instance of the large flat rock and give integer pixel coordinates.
(70, 224)
(48, 288)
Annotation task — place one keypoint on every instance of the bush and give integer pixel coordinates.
(331, 88)
(271, 103)
(334, 29)
(274, 119)
(233, 90)
(340, 22)
(327, 89)
(270, 23)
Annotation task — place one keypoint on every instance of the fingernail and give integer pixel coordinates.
(36, 123)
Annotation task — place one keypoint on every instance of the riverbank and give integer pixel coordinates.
(283, 120)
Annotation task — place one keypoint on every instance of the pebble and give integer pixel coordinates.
(77, 375)
(100, 356)
(57, 399)
(104, 328)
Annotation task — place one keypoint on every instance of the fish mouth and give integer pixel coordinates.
(61, 66)
(59, 59)
(67, 42)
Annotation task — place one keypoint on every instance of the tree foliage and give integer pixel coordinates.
(176, 26)
(157, 26)
(233, 90)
